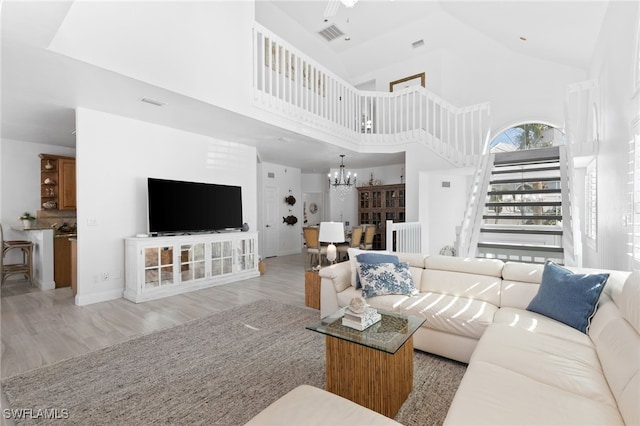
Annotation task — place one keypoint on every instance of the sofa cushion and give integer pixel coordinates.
(386, 278)
(567, 297)
(533, 322)
(373, 257)
(471, 265)
(491, 394)
(630, 300)
(462, 284)
(450, 314)
(520, 282)
(309, 405)
(618, 343)
(535, 371)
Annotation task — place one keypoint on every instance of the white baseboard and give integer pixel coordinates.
(97, 297)
(45, 285)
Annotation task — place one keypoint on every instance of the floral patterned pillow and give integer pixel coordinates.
(386, 278)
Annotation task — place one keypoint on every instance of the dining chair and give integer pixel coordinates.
(367, 244)
(356, 236)
(315, 251)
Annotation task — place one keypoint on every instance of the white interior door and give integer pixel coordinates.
(270, 231)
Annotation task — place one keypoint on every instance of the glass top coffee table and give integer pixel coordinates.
(373, 367)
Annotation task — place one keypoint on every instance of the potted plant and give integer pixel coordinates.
(27, 219)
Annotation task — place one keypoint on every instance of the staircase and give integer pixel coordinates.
(522, 218)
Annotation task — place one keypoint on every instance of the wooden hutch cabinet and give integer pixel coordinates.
(377, 204)
(57, 182)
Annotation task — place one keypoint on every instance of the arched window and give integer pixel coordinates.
(527, 136)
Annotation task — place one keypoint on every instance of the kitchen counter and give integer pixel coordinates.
(42, 238)
(35, 227)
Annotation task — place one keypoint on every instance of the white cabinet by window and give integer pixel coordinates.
(164, 266)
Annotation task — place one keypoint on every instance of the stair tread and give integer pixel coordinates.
(521, 231)
(524, 204)
(521, 246)
(528, 156)
(525, 179)
(525, 191)
(536, 169)
(522, 216)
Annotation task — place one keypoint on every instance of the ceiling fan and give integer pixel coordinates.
(333, 5)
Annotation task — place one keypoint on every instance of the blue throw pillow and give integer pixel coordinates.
(371, 257)
(386, 278)
(567, 297)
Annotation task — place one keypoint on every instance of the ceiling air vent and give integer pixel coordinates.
(331, 33)
(418, 43)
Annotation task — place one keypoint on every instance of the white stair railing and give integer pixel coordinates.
(408, 237)
(467, 239)
(289, 83)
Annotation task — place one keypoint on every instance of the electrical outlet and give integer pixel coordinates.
(105, 276)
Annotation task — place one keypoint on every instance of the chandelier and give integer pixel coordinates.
(342, 179)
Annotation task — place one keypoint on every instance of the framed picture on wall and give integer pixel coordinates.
(412, 80)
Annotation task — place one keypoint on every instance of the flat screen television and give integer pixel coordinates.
(182, 207)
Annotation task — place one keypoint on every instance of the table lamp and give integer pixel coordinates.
(331, 232)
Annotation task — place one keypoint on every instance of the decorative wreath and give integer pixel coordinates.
(291, 200)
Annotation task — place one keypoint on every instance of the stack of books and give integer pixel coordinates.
(361, 321)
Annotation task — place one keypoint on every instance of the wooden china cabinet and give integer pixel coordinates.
(377, 204)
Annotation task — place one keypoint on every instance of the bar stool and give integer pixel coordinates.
(25, 268)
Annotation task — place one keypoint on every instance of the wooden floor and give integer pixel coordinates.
(42, 327)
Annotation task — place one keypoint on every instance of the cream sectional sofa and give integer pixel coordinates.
(523, 366)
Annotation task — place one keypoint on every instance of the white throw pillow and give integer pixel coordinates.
(353, 252)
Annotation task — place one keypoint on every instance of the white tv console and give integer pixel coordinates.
(158, 267)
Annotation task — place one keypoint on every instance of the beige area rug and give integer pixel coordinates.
(222, 369)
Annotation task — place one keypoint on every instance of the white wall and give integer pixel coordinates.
(314, 186)
(286, 179)
(612, 67)
(20, 179)
(519, 87)
(200, 49)
(115, 155)
(442, 208)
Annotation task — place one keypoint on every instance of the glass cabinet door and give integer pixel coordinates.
(158, 266)
(377, 199)
(364, 200)
(246, 254)
(221, 258)
(191, 262)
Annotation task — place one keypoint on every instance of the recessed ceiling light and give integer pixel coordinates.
(347, 38)
(153, 102)
(523, 38)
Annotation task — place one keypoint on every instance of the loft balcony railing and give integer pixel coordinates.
(289, 83)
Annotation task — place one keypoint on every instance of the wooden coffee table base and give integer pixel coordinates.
(372, 378)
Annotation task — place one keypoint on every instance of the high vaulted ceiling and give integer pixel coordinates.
(40, 89)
